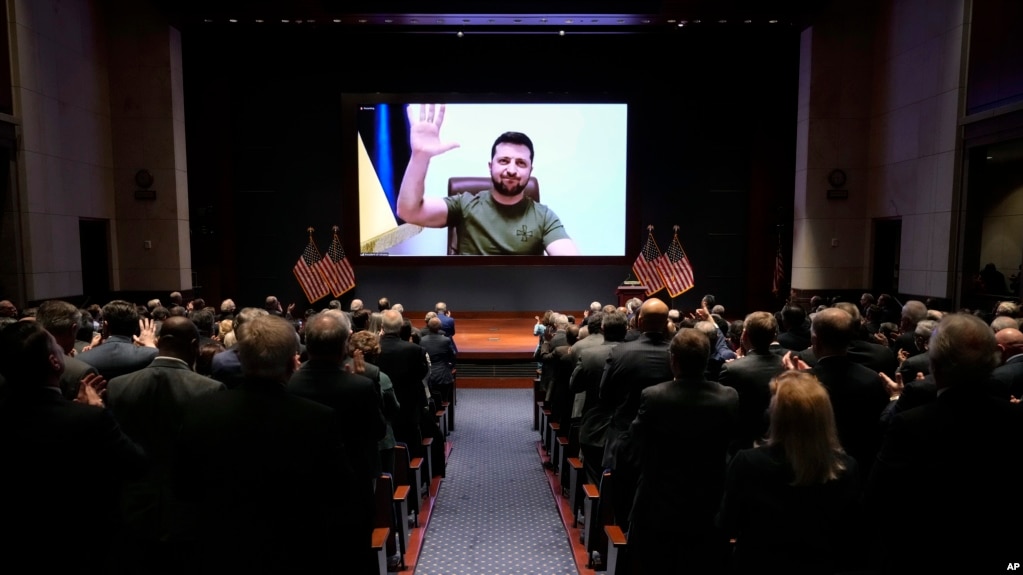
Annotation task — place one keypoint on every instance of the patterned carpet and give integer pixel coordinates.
(494, 514)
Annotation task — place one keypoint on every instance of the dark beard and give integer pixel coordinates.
(500, 188)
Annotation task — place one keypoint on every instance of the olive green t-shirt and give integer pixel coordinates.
(486, 227)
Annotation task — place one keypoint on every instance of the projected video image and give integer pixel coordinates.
(492, 179)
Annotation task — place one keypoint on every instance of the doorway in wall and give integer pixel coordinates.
(887, 245)
(94, 237)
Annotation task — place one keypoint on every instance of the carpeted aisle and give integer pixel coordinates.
(494, 514)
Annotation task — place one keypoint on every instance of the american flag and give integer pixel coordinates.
(645, 266)
(311, 281)
(779, 270)
(675, 268)
(336, 269)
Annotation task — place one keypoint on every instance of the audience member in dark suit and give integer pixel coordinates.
(149, 404)
(62, 320)
(267, 470)
(918, 362)
(227, 365)
(585, 381)
(948, 468)
(441, 350)
(795, 336)
(356, 402)
(790, 503)
(118, 354)
(913, 312)
(1009, 375)
(64, 463)
(553, 337)
(676, 446)
(447, 323)
(751, 377)
(405, 363)
(864, 349)
(858, 395)
(632, 367)
(562, 398)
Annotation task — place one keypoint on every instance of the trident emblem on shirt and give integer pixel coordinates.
(524, 233)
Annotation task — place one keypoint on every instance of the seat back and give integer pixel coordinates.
(474, 185)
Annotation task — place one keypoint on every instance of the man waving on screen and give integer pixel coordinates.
(498, 221)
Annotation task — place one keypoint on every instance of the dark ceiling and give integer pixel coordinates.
(406, 15)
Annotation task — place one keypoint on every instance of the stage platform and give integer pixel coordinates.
(495, 349)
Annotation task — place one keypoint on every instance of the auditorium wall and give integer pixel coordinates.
(98, 94)
(880, 98)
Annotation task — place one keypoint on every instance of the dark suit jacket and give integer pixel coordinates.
(1009, 376)
(441, 349)
(447, 325)
(942, 471)
(118, 355)
(269, 476)
(586, 379)
(632, 366)
(781, 528)
(677, 446)
(70, 380)
(873, 356)
(149, 404)
(858, 398)
(65, 463)
(405, 364)
(357, 404)
(751, 377)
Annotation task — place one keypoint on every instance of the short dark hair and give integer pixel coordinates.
(690, 350)
(517, 138)
(761, 329)
(615, 325)
(122, 317)
(58, 316)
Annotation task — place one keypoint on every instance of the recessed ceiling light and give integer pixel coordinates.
(990, 157)
(232, 20)
(672, 21)
(362, 20)
(747, 21)
(722, 21)
(772, 21)
(259, 20)
(696, 21)
(337, 20)
(284, 21)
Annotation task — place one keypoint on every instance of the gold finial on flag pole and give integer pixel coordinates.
(335, 228)
(650, 229)
(310, 230)
(675, 227)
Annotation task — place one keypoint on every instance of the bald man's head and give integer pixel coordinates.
(179, 338)
(1010, 342)
(653, 316)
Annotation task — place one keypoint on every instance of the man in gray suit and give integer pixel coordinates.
(149, 404)
(61, 319)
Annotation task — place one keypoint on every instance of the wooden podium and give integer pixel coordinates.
(626, 292)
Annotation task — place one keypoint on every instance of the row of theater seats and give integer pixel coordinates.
(401, 497)
(604, 541)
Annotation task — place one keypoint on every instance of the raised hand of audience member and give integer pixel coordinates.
(90, 390)
(894, 387)
(792, 361)
(97, 339)
(358, 364)
(903, 355)
(147, 333)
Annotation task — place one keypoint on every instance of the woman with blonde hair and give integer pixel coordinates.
(790, 503)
